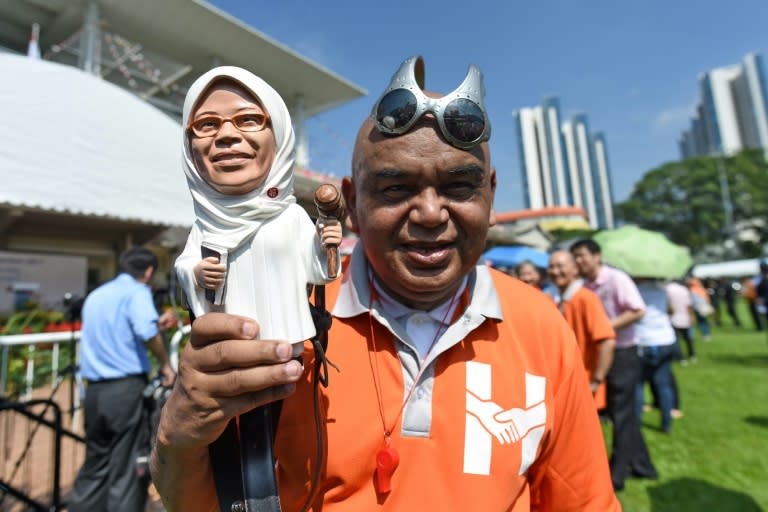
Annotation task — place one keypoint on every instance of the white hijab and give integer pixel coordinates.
(230, 220)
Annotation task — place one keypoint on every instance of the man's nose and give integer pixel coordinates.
(429, 209)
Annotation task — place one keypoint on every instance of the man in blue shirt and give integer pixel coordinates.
(120, 323)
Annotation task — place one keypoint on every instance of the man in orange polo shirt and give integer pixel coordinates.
(459, 388)
(585, 314)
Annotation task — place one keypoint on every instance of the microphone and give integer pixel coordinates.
(330, 205)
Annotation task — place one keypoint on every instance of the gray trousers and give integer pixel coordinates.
(115, 432)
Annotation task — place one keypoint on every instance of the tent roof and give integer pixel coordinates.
(85, 146)
(180, 33)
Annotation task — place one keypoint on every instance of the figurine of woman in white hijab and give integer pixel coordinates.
(252, 250)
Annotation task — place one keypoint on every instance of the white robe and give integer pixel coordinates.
(266, 277)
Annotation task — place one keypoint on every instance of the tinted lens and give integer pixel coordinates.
(464, 120)
(395, 110)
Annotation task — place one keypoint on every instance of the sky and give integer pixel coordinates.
(631, 66)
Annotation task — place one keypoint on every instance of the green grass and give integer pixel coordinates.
(716, 458)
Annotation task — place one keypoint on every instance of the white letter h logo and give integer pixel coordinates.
(486, 420)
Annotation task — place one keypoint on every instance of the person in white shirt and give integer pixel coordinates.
(658, 348)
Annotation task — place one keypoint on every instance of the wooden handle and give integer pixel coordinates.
(330, 204)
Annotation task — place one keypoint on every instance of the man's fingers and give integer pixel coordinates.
(230, 354)
(245, 403)
(221, 326)
(240, 381)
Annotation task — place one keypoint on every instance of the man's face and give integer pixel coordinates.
(232, 161)
(587, 263)
(422, 209)
(562, 269)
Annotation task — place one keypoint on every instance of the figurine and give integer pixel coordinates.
(252, 249)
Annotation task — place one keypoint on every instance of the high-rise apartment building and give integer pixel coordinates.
(732, 113)
(563, 164)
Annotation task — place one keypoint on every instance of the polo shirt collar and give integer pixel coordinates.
(354, 293)
(570, 291)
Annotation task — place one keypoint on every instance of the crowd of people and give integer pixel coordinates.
(456, 386)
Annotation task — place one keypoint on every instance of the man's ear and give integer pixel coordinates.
(348, 191)
(492, 217)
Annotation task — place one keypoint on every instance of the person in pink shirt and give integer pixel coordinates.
(625, 306)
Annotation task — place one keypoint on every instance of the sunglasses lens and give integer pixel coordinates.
(395, 110)
(464, 120)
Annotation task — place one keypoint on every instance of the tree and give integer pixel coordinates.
(683, 200)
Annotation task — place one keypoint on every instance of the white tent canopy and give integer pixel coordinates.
(77, 144)
(734, 268)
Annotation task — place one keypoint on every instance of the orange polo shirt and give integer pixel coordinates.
(590, 323)
(508, 364)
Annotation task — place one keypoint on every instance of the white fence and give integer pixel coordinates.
(32, 341)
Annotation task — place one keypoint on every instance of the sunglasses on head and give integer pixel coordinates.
(460, 115)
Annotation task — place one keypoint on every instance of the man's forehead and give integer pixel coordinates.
(561, 257)
(423, 140)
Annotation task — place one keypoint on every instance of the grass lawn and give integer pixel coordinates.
(716, 458)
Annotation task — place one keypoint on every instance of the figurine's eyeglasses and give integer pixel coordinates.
(460, 115)
(209, 125)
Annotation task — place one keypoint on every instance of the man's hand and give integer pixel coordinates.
(209, 273)
(223, 372)
(166, 320)
(169, 376)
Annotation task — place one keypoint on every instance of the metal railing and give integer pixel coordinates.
(32, 341)
(40, 419)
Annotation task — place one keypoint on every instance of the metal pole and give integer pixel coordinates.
(299, 125)
(90, 42)
(4, 370)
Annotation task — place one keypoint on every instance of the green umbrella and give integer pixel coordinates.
(643, 253)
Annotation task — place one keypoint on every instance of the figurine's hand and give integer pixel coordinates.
(210, 274)
(223, 372)
(329, 231)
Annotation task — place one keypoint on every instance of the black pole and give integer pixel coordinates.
(257, 429)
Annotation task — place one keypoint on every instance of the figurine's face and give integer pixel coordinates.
(422, 209)
(231, 160)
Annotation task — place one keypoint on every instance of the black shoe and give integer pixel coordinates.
(618, 486)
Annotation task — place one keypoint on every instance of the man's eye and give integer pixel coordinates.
(459, 189)
(395, 192)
